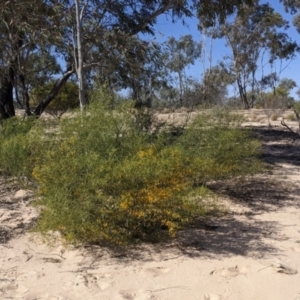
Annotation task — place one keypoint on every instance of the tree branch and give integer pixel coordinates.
(55, 90)
(289, 128)
(82, 10)
(95, 64)
(157, 13)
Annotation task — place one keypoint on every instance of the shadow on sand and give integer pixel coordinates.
(240, 233)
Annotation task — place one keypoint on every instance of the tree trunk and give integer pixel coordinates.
(55, 90)
(17, 94)
(243, 94)
(79, 65)
(181, 89)
(25, 95)
(7, 109)
(252, 90)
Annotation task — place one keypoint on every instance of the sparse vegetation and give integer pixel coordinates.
(294, 117)
(274, 117)
(291, 117)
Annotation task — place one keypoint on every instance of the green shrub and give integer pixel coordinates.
(104, 178)
(291, 117)
(218, 151)
(258, 106)
(19, 144)
(105, 181)
(296, 107)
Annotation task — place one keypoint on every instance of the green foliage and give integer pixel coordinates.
(264, 27)
(215, 83)
(275, 102)
(103, 179)
(106, 180)
(292, 117)
(181, 53)
(19, 146)
(296, 107)
(286, 85)
(218, 149)
(66, 99)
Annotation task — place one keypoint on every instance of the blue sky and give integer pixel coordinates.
(165, 28)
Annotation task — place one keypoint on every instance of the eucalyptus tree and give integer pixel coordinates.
(160, 69)
(78, 55)
(80, 38)
(270, 81)
(179, 55)
(15, 41)
(215, 84)
(254, 31)
(217, 11)
(28, 35)
(279, 98)
(150, 77)
(293, 6)
(285, 86)
(211, 90)
(140, 69)
(103, 31)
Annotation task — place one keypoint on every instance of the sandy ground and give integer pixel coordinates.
(251, 253)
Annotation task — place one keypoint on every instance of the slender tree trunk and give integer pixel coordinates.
(17, 94)
(25, 95)
(7, 109)
(252, 90)
(242, 93)
(79, 61)
(239, 81)
(181, 89)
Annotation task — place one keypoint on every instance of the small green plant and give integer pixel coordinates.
(258, 106)
(291, 117)
(20, 142)
(296, 109)
(273, 105)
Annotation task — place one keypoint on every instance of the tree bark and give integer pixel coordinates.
(243, 93)
(7, 109)
(79, 61)
(25, 95)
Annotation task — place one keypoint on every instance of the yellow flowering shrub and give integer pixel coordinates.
(102, 178)
(96, 199)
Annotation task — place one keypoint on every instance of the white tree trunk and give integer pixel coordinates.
(79, 59)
